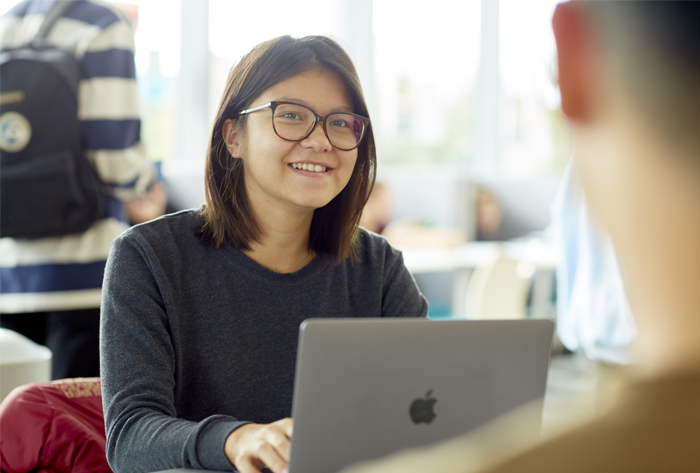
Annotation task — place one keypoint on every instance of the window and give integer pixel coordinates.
(532, 135)
(443, 99)
(236, 27)
(5, 5)
(426, 57)
(157, 56)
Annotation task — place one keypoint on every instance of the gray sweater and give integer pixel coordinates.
(196, 341)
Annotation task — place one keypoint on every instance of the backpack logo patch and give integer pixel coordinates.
(15, 132)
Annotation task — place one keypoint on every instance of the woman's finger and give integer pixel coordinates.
(271, 458)
(279, 440)
(245, 465)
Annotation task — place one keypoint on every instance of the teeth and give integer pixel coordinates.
(309, 167)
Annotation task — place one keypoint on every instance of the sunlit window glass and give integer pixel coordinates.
(157, 57)
(426, 57)
(236, 27)
(532, 135)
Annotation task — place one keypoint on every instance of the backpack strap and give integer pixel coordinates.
(59, 8)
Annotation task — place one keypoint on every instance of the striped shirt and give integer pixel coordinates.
(65, 273)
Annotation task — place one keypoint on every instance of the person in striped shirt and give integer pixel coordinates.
(50, 288)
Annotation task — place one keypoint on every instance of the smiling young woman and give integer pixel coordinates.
(201, 308)
(228, 217)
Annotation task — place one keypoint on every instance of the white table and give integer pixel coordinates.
(479, 253)
(464, 259)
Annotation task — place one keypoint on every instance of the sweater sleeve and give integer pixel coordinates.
(138, 374)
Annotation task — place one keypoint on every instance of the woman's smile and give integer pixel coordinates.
(311, 168)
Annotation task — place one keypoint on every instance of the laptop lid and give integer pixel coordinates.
(365, 388)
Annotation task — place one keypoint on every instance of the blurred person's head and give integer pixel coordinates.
(377, 212)
(629, 74)
(489, 214)
(287, 64)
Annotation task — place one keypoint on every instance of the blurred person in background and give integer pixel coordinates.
(377, 212)
(593, 314)
(50, 288)
(489, 214)
(629, 74)
(594, 317)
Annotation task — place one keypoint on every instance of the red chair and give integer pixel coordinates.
(54, 427)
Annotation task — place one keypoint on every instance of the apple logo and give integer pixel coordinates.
(422, 409)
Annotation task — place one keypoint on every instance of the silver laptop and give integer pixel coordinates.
(365, 388)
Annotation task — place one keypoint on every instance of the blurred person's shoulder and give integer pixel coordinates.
(652, 427)
(74, 31)
(99, 13)
(94, 12)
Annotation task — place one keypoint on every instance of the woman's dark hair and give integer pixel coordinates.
(228, 219)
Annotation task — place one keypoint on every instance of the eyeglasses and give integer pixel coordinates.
(294, 122)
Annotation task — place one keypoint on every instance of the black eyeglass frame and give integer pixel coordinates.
(317, 118)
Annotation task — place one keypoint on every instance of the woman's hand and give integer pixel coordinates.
(149, 206)
(254, 446)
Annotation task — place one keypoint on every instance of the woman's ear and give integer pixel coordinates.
(232, 138)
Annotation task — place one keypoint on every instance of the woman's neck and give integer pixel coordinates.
(284, 241)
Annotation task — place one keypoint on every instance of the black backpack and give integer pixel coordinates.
(47, 186)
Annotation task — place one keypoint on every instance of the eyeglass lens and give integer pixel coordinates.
(293, 122)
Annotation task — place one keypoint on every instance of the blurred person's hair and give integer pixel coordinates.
(228, 219)
(653, 48)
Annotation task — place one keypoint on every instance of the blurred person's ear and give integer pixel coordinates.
(575, 58)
